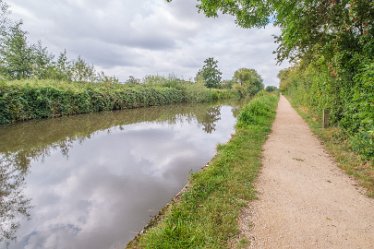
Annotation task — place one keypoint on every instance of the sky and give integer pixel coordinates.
(139, 38)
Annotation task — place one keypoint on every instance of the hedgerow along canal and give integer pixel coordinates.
(94, 181)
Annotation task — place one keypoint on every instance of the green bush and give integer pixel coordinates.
(25, 100)
(259, 110)
(350, 101)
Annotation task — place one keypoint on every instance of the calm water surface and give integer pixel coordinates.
(94, 181)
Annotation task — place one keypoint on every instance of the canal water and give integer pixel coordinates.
(94, 181)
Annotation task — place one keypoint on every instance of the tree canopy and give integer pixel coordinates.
(249, 79)
(307, 25)
(210, 73)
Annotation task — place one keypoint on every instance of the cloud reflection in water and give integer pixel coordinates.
(111, 184)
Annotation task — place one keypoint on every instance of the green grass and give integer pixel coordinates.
(31, 99)
(206, 214)
(337, 143)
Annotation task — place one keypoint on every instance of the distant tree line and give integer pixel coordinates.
(21, 60)
(245, 81)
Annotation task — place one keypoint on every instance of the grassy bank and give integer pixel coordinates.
(206, 214)
(337, 142)
(28, 99)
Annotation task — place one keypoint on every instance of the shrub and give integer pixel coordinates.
(24, 100)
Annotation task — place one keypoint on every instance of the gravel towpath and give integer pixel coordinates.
(305, 200)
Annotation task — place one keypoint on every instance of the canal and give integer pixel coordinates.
(94, 181)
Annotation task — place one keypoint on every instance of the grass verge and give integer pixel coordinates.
(337, 144)
(206, 214)
(31, 99)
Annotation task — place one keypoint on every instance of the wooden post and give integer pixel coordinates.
(325, 118)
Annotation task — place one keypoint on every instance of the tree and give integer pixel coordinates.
(63, 67)
(101, 77)
(307, 25)
(16, 57)
(248, 13)
(42, 62)
(132, 80)
(199, 79)
(81, 71)
(271, 89)
(227, 84)
(249, 81)
(211, 73)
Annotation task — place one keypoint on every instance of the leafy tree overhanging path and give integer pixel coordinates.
(305, 200)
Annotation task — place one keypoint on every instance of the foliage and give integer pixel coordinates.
(271, 89)
(248, 80)
(103, 78)
(350, 108)
(132, 80)
(334, 44)
(41, 61)
(257, 112)
(63, 68)
(82, 72)
(210, 73)
(248, 13)
(226, 84)
(32, 99)
(359, 120)
(199, 79)
(308, 26)
(15, 55)
(205, 215)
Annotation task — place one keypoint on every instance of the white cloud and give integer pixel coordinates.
(124, 37)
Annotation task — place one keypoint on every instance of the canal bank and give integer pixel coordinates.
(206, 214)
(40, 99)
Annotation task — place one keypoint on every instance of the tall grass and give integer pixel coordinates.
(206, 214)
(30, 99)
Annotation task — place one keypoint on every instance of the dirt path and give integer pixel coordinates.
(305, 200)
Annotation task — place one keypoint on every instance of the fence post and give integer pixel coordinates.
(325, 118)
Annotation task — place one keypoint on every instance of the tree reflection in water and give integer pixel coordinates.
(210, 119)
(13, 204)
(24, 142)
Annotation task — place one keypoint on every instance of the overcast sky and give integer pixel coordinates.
(131, 37)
